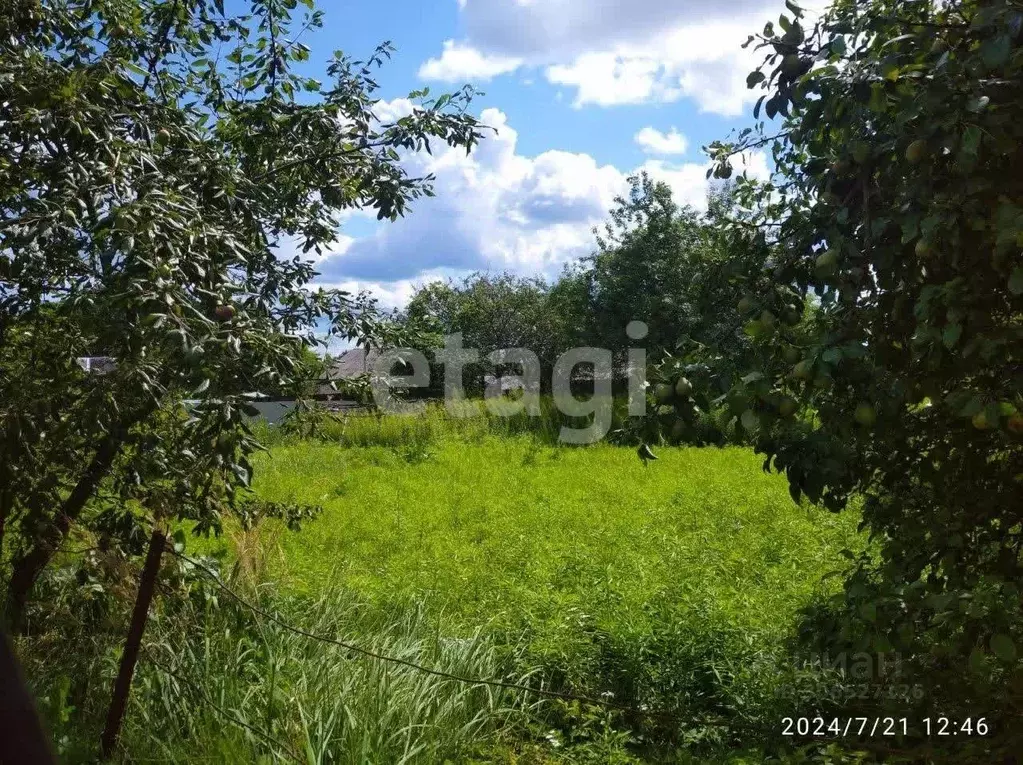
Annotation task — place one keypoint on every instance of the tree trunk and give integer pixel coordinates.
(132, 644)
(27, 568)
(21, 733)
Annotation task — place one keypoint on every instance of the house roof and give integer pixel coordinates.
(351, 363)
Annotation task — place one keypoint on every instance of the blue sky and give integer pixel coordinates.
(583, 93)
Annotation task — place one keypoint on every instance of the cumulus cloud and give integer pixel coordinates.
(613, 52)
(459, 61)
(535, 28)
(653, 141)
(499, 210)
(494, 209)
(704, 62)
(688, 181)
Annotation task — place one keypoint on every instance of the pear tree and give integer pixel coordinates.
(895, 213)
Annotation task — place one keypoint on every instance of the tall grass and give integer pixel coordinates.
(217, 683)
(468, 421)
(675, 586)
(480, 547)
(318, 701)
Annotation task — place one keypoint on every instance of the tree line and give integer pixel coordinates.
(655, 261)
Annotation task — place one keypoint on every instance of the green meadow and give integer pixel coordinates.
(677, 586)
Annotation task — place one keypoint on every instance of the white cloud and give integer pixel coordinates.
(537, 28)
(688, 181)
(460, 62)
(704, 62)
(613, 52)
(392, 111)
(498, 210)
(653, 141)
(494, 209)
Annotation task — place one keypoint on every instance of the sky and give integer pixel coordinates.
(581, 94)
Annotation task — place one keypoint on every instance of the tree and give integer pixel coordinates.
(159, 161)
(493, 312)
(897, 206)
(671, 268)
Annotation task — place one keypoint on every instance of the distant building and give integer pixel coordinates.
(351, 364)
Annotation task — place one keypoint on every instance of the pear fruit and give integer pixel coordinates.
(916, 151)
(865, 415)
(787, 407)
(827, 263)
(225, 312)
(801, 371)
(663, 393)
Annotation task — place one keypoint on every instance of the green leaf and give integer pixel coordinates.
(1016, 281)
(951, 335)
(972, 407)
(756, 109)
(749, 420)
(755, 78)
(971, 140)
(977, 663)
(995, 52)
(1003, 647)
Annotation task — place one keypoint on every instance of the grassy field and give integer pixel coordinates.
(479, 548)
(674, 586)
(511, 533)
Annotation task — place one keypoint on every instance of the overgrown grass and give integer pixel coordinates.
(674, 586)
(468, 421)
(475, 546)
(216, 683)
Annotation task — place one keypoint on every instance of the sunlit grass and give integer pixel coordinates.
(676, 585)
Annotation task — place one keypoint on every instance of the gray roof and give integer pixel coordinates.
(351, 363)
